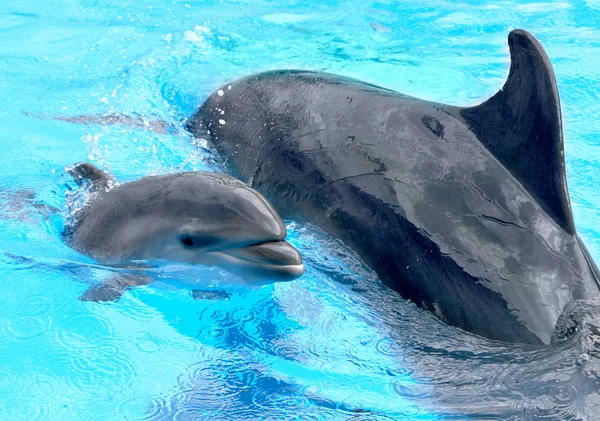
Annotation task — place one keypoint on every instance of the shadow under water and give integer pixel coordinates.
(286, 350)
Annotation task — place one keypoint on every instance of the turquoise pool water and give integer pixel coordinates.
(333, 345)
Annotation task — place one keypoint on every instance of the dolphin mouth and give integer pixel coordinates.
(279, 253)
(273, 261)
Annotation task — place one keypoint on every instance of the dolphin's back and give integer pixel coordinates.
(441, 215)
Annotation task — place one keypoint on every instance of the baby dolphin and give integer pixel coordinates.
(190, 217)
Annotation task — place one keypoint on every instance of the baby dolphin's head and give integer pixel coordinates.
(192, 217)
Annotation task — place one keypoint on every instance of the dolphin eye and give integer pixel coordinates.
(193, 241)
(187, 241)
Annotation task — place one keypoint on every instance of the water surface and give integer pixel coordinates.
(333, 345)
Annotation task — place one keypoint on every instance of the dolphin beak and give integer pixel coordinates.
(273, 261)
(279, 253)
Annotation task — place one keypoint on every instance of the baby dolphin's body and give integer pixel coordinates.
(192, 217)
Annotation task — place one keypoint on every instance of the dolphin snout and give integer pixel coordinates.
(280, 253)
(272, 261)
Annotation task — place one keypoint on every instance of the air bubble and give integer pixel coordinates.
(583, 359)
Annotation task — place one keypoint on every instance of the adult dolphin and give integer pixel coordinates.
(463, 210)
(191, 217)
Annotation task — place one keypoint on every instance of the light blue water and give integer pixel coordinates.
(331, 345)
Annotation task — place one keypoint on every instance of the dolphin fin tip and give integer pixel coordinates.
(85, 171)
(522, 127)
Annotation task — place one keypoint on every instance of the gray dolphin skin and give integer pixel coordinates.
(463, 210)
(191, 217)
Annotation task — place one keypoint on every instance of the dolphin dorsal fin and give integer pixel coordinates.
(99, 180)
(521, 125)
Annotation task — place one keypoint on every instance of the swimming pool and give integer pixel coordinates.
(332, 345)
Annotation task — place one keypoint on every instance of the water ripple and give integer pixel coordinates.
(101, 366)
(36, 305)
(76, 334)
(28, 327)
(147, 342)
(286, 399)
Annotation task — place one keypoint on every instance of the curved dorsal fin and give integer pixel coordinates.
(98, 179)
(521, 125)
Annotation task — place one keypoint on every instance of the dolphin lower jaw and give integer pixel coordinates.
(274, 261)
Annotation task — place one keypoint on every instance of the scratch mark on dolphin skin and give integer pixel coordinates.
(499, 221)
(301, 136)
(258, 99)
(322, 148)
(344, 179)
